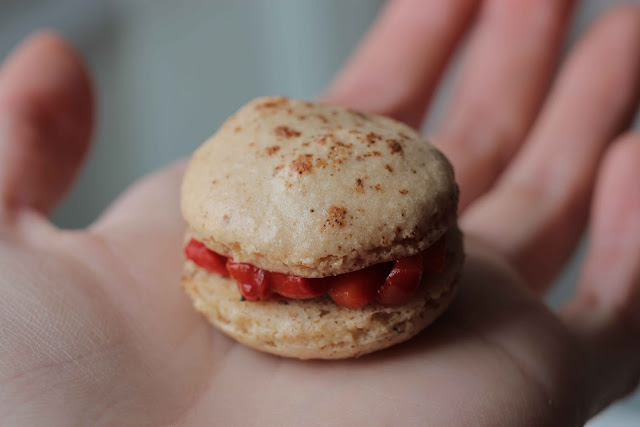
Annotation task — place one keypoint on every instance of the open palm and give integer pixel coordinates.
(94, 328)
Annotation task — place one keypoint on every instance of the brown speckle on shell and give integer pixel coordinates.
(323, 118)
(359, 185)
(302, 165)
(404, 191)
(336, 217)
(273, 103)
(388, 167)
(321, 163)
(394, 146)
(286, 132)
(272, 149)
(374, 153)
(372, 138)
(237, 129)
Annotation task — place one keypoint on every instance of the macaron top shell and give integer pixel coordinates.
(315, 190)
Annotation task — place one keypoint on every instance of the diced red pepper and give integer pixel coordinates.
(206, 258)
(382, 283)
(356, 289)
(297, 287)
(402, 282)
(252, 281)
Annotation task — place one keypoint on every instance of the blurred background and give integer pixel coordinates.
(168, 73)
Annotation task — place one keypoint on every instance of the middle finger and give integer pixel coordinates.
(511, 59)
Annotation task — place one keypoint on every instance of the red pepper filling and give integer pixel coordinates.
(389, 283)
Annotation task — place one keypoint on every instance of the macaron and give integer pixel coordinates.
(319, 232)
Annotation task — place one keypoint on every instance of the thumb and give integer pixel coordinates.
(46, 115)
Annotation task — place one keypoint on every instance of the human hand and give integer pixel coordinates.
(94, 328)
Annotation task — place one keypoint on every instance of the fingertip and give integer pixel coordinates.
(51, 45)
(47, 38)
(42, 66)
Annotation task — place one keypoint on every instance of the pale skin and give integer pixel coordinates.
(95, 330)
